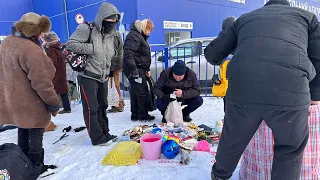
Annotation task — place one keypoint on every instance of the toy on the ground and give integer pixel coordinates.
(170, 149)
(219, 126)
(186, 149)
(202, 146)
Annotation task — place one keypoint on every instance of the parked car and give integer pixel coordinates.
(190, 51)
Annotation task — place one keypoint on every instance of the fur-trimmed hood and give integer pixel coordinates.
(30, 29)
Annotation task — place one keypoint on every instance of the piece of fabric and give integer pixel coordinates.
(257, 159)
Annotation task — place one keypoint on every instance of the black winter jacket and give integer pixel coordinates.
(166, 84)
(277, 54)
(137, 54)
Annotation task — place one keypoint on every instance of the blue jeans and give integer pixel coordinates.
(192, 105)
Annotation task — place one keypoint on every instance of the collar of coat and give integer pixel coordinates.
(278, 2)
(17, 33)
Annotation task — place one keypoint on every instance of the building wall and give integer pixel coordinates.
(10, 12)
(206, 15)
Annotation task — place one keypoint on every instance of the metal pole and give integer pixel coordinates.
(66, 18)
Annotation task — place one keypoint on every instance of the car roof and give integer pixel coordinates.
(192, 40)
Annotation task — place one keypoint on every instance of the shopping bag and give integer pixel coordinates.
(256, 163)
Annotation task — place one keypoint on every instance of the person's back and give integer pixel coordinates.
(270, 66)
(272, 77)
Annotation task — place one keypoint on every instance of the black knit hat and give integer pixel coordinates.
(228, 22)
(283, 2)
(179, 68)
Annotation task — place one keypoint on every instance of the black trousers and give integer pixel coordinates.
(94, 96)
(30, 142)
(65, 102)
(139, 98)
(290, 131)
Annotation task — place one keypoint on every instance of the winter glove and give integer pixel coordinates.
(111, 74)
(53, 108)
(134, 74)
(67, 129)
(79, 129)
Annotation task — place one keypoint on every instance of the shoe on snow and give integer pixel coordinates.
(64, 111)
(187, 119)
(46, 167)
(134, 118)
(110, 139)
(147, 118)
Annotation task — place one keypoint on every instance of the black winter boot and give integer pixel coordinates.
(45, 167)
(25, 150)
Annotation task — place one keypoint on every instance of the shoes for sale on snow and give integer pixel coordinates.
(64, 111)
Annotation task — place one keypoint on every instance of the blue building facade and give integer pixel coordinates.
(174, 19)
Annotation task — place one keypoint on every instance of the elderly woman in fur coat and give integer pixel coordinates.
(28, 98)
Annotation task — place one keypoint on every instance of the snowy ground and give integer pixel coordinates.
(76, 158)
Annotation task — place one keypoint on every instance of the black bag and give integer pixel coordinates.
(15, 165)
(152, 96)
(76, 61)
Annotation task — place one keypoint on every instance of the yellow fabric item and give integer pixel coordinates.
(220, 90)
(123, 154)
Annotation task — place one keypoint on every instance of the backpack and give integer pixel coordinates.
(220, 81)
(15, 165)
(76, 61)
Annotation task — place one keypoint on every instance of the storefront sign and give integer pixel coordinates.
(177, 25)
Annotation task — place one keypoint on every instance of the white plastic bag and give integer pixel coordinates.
(113, 96)
(173, 112)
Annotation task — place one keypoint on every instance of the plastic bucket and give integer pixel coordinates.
(151, 146)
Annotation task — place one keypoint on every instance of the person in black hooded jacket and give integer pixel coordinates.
(273, 76)
(136, 67)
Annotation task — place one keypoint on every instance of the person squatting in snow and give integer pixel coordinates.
(28, 97)
(106, 45)
(136, 67)
(181, 81)
(273, 76)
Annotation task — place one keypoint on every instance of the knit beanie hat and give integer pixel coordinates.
(228, 22)
(51, 36)
(179, 68)
(283, 2)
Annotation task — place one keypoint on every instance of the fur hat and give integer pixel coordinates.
(143, 25)
(51, 36)
(31, 24)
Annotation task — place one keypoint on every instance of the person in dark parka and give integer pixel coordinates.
(273, 76)
(181, 81)
(136, 67)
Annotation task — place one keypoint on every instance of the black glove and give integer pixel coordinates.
(111, 74)
(134, 74)
(67, 129)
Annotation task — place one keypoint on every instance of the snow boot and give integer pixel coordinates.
(64, 111)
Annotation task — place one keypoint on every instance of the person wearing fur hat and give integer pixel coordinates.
(274, 76)
(181, 81)
(28, 98)
(136, 67)
(104, 50)
(52, 48)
